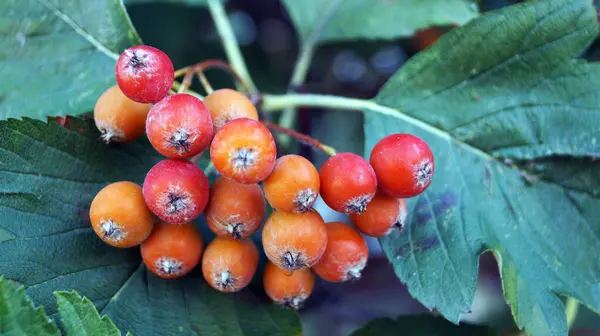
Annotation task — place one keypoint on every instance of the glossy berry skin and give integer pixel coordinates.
(348, 183)
(404, 165)
(179, 126)
(229, 264)
(346, 254)
(289, 290)
(235, 209)
(226, 105)
(144, 74)
(119, 215)
(176, 191)
(172, 251)
(244, 150)
(293, 185)
(384, 214)
(294, 241)
(118, 118)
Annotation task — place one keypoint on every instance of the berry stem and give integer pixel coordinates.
(177, 87)
(303, 138)
(199, 69)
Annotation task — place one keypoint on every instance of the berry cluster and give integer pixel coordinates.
(296, 240)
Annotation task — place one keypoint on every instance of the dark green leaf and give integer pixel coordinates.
(424, 325)
(80, 317)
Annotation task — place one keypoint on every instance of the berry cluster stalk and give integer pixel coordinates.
(301, 137)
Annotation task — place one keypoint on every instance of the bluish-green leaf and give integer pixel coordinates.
(422, 325)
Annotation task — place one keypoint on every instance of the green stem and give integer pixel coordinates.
(176, 86)
(232, 49)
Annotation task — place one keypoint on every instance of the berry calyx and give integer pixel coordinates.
(176, 191)
(293, 185)
(144, 74)
(235, 210)
(226, 105)
(348, 183)
(119, 215)
(384, 215)
(289, 290)
(404, 165)
(244, 150)
(179, 126)
(172, 251)
(294, 241)
(346, 254)
(118, 118)
(228, 264)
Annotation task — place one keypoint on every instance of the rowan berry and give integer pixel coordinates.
(244, 150)
(144, 74)
(179, 126)
(176, 191)
(226, 105)
(172, 251)
(289, 290)
(118, 118)
(228, 264)
(293, 185)
(348, 183)
(294, 241)
(403, 164)
(346, 254)
(384, 214)
(119, 215)
(234, 209)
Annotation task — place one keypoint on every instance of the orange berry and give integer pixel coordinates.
(120, 216)
(290, 290)
(119, 118)
(293, 186)
(294, 241)
(234, 209)
(226, 105)
(228, 264)
(346, 254)
(173, 250)
(384, 214)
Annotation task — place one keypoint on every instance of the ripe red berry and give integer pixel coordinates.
(384, 214)
(346, 254)
(289, 290)
(226, 105)
(244, 150)
(144, 74)
(403, 164)
(176, 191)
(118, 118)
(228, 264)
(348, 183)
(179, 126)
(293, 186)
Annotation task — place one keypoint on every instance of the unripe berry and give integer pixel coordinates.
(226, 105)
(120, 216)
(404, 165)
(119, 118)
(144, 74)
(348, 183)
(179, 126)
(346, 254)
(294, 241)
(384, 214)
(176, 191)
(289, 290)
(244, 150)
(228, 264)
(293, 186)
(172, 251)
(235, 210)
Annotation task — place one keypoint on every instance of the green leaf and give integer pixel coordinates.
(176, 2)
(58, 56)
(18, 316)
(80, 317)
(384, 19)
(514, 124)
(423, 325)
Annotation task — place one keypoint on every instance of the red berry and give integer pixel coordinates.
(176, 191)
(384, 214)
(348, 183)
(179, 126)
(144, 74)
(403, 164)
